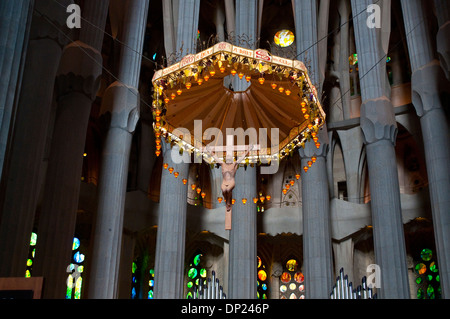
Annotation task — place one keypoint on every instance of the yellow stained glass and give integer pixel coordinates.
(284, 38)
(291, 265)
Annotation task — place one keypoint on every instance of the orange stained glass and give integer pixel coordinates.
(262, 275)
(285, 277)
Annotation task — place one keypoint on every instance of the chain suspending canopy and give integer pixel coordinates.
(281, 96)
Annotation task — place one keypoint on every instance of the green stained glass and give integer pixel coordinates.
(197, 281)
(150, 294)
(133, 267)
(433, 267)
(190, 284)
(152, 272)
(418, 280)
(192, 273)
(257, 295)
(33, 252)
(189, 295)
(264, 296)
(421, 268)
(437, 278)
(430, 277)
(430, 292)
(69, 283)
(33, 239)
(80, 269)
(203, 273)
(29, 262)
(426, 254)
(27, 274)
(197, 259)
(420, 293)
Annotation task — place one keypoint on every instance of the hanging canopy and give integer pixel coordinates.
(280, 96)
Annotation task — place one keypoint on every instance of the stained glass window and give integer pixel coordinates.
(427, 276)
(75, 269)
(284, 38)
(31, 254)
(196, 274)
(262, 291)
(292, 281)
(151, 283)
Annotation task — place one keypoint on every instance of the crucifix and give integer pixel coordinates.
(229, 167)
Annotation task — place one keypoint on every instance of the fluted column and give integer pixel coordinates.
(428, 85)
(121, 101)
(379, 129)
(15, 21)
(171, 234)
(246, 22)
(317, 250)
(443, 35)
(242, 280)
(187, 26)
(317, 254)
(77, 83)
(22, 174)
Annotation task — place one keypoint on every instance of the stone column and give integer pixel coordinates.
(22, 174)
(187, 26)
(443, 35)
(77, 83)
(15, 21)
(428, 86)
(317, 255)
(380, 130)
(316, 220)
(246, 25)
(171, 234)
(120, 101)
(242, 280)
(343, 254)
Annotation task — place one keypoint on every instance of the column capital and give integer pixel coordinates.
(50, 23)
(311, 149)
(123, 103)
(427, 84)
(378, 120)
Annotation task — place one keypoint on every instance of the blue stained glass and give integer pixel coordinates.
(75, 244)
(78, 257)
(133, 293)
(150, 294)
